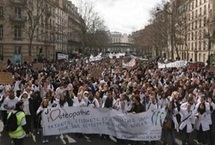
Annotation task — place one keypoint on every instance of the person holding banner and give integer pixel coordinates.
(152, 106)
(91, 101)
(79, 101)
(45, 104)
(122, 104)
(137, 107)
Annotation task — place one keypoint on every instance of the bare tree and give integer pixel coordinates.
(94, 30)
(35, 10)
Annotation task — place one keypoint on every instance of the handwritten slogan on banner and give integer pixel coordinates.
(175, 64)
(142, 127)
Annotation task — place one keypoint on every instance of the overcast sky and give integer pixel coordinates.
(123, 16)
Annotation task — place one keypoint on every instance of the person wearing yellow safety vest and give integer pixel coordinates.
(22, 129)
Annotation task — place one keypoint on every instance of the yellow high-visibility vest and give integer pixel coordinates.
(19, 133)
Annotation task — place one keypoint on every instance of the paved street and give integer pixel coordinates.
(35, 139)
(69, 139)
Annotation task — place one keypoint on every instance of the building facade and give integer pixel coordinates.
(196, 18)
(32, 29)
(75, 28)
(119, 42)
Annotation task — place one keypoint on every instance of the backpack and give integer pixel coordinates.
(91, 102)
(11, 122)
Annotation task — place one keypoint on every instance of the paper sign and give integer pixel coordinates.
(96, 73)
(27, 58)
(6, 78)
(37, 66)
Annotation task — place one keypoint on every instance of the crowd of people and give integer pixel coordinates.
(188, 94)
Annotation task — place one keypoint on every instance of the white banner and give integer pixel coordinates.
(62, 56)
(175, 64)
(117, 55)
(131, 63)
(141, 127)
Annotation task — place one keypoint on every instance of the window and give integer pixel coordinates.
(205, 10)
(17, 32)
(18, 12)
(1, 52)
(192, 37)
(37, 33)
(200, 23)
(200, 45)
(200, 34)
(204, 57)
(17, 50)
(1, 12)
(1, 31)
(205, 21)
(200, 11)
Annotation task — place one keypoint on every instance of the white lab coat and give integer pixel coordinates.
(202, 120)
(189, 116)
(208, 115)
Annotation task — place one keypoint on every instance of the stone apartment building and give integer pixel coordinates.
(35, 28)
(196, 18)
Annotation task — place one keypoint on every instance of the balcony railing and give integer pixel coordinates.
(22, 2)
(16, 19)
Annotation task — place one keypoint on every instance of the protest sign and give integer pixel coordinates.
(96, 73)
(27, 58)
(112, 61)
(6, 78)
(37, 66)
(212, 69)
(2, 65)
(140, 127)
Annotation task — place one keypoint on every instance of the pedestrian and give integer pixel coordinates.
(169, 125)
(45, 104)
(27, 108)
(186, 124)
(22, 130)
(202, 124)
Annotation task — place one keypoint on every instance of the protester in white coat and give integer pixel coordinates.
(45, 104)
(186, 125)
(170, 124)
(122, 104)
(212, 108)
(27, 108)
(62, 101)
(79, 101)
(202, 123)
